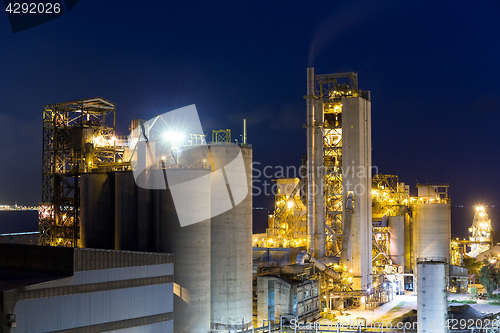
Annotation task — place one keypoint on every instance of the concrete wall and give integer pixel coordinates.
(356, 165)
(266, 309)
(298, 299)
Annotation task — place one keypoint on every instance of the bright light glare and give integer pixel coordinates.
(290, 204)
(173, 136)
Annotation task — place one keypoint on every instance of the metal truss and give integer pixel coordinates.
(330, 89)
(78, 136)
(221, 136)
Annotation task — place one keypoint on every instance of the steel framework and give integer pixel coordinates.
(330, 91)
(287, 224)
(78, 136)
(221, 135)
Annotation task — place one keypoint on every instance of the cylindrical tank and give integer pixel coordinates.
(97, 209)
(191, 248)
(126, 213)
(432, 231)
(231, 238)
(431, 300)
(397, 239)
(145, 221)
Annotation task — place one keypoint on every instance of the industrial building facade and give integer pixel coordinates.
(48, 289)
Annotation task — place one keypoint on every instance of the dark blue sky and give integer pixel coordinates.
(432, 68)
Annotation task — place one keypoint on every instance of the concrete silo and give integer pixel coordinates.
(231, 237)
(189, 244)
(97, 208)
(126, 212)
(432, 223)
(431, 301)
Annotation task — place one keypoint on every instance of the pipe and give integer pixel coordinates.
(244, 131)
(303, 256)
(346, 229)
(319, 174)
(311, 183)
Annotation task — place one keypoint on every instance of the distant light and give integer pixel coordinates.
(385, 285)
(163, 158)
(368, 290)
(290, 204)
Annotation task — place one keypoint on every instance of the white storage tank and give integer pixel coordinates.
(431, 296)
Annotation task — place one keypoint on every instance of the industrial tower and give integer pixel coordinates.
(339, 164)
(78, 136)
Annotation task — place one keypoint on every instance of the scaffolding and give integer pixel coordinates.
(78, 137)
(330, 90)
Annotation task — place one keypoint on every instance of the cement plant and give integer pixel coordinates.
(113, 256)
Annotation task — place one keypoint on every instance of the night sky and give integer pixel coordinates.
(432, 69)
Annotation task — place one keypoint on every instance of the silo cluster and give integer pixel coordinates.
(212, 258)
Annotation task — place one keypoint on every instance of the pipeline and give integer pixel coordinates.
(311, 180)
(346, 230)
(303, 256)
